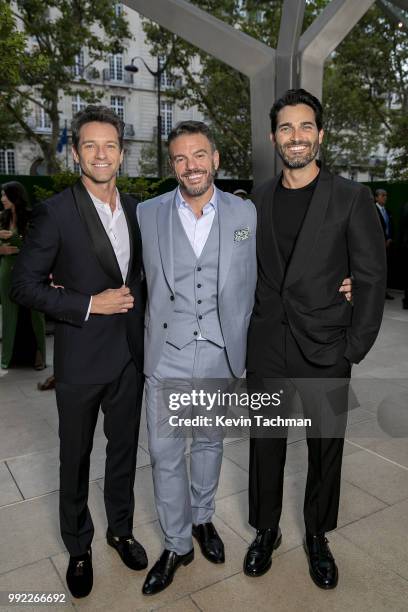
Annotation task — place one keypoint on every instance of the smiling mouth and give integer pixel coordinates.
(194, 177)
(101, 165)
(297, 148)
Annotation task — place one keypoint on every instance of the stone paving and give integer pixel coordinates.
(370, 544)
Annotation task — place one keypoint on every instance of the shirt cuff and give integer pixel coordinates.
(88, 312)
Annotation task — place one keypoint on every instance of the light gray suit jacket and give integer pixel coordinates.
(236, 274)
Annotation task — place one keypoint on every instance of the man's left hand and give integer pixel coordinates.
(347, 289)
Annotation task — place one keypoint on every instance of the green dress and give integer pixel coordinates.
(11, 310)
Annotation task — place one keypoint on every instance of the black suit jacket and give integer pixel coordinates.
(383, 226)
(340, 235)
(67, 239)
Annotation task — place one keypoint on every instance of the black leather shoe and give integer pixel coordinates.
(162, 573)
(322, 567)
(258, 559)
(388, 296)
(130, 550)
(210, 542)
(80, 575)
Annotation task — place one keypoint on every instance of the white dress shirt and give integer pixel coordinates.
(197, 229)
(117, 230)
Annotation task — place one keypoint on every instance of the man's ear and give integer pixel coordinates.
(321, 134)
(272, 138)
(75, 154)
(216, 159)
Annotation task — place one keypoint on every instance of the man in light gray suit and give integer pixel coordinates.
(200, 264)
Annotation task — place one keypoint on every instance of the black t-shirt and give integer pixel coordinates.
(289, 210)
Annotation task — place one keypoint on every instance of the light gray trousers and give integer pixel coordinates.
(178, 503)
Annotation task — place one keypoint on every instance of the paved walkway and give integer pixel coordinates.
(370, 545)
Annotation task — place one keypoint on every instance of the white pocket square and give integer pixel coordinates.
(241, 234)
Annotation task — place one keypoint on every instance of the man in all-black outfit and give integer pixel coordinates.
(314, 229)
(386, 224)
(88, 238)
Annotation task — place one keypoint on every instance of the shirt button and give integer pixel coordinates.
(199, 269)
(165, 325)
(200, 317)
(199, 285)
(198, 301)
(196, 333)
(172, 298)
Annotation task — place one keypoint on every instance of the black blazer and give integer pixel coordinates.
(340, 235)
(384, 228)
(67, 239)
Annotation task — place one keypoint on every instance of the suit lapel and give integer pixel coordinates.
(99, 238)
(267, 233)
(227, 226)
(129, 208)
(165, 236)
(310, 229)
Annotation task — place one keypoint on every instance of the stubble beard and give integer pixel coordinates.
(301, 161)
(195, 192)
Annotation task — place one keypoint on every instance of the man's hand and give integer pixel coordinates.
(347, 288)
(112, 301)
(388, 243)
(6, 249)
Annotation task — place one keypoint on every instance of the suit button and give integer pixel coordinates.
(196, 333)
(199, 301)
(199, 269)
(199, 285)
(172, 298)
(200, 317)
(165, 325)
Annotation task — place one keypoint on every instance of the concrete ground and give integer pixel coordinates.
(370, 544)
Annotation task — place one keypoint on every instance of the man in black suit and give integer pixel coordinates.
(89, 239)
(385, 218)
(314, 229)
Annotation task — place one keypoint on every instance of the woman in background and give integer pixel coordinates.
(23, 334)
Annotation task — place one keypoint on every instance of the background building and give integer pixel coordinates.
(133, 96)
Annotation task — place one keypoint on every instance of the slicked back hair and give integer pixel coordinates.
(191, 127)
(293, 97)
(103, 114)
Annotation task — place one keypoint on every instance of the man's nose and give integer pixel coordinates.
(100, 152)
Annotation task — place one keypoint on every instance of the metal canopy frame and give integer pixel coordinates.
(298, 60)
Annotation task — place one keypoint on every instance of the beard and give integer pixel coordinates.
(199, 190)
(298, 161)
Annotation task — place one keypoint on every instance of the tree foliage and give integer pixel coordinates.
(365, 85)
(41, 41)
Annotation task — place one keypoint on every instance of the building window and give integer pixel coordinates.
(42, 118)
(118, 9)
(7, 161)
(116, 67)
(117, 104)
(78, 104)
(79, 66)
(166, 111)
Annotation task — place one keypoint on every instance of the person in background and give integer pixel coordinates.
(404, 251)
(23, 330)
(241, 193)
(386, 224)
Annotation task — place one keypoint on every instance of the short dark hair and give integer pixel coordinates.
(380, 192)
(96, 113)
(191, 127)
(293, 97)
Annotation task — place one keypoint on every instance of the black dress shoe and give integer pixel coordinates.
(80, 575)
(259, 556)
(130, 550)
(322, 567)
(388, 296)
(404, 304)
(162, 573)
(210, 542)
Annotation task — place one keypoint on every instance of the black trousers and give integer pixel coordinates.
(78, 407)
(268, 454)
